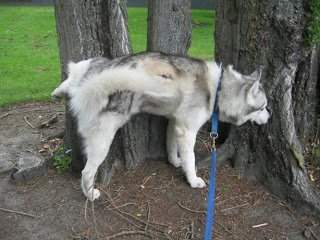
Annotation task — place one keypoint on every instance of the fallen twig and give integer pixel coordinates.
(145, 181)
(231, 208)
(148, 217)
(17, 212)
(236, 197)
(85, 210)
(314, 235)
(5, 115)
(94, 220)
(190, 210)
(142, 224)
(25, 118)
(121, 206)
(48, 122)
(124, 233)
(192, 230)
(260, 225)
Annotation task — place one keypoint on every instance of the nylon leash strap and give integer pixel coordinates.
(210, 218)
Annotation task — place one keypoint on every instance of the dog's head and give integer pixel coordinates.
(242, 98)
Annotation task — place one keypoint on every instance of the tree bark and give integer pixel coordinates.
(89, 29)
(272, 33)
(169, 31)
(169, 26)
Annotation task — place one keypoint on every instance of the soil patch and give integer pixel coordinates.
(152, 202)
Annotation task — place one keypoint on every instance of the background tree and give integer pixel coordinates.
(90, 29)
(273, 33)
(99, 28)
(169, 31)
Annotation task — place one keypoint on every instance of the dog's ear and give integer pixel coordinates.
(71, 67)
(253, 93)
(254, 89)
(234, 75)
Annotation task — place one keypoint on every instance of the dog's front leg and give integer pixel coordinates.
(186, 142)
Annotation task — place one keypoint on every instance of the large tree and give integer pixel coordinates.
(273, 34)
(90, 29)
(169, 31)
(99, 28)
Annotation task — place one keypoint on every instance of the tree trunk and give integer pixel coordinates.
(169, 31)
(90, 29)
(272, 33)
(169, 26)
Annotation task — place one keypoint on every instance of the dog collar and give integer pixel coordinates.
(215, 114)
(216, 102)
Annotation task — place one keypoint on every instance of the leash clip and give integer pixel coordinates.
(213, 137)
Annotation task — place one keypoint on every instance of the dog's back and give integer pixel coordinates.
(162, 82)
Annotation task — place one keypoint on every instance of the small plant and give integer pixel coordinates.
(61, 160)
(316, 155)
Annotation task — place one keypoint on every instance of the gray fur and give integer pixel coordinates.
(97, 65)
(119, 102)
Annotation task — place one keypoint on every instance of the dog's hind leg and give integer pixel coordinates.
(97, 143)
(186, 129)
(172, 145)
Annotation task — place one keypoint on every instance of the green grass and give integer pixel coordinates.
(29, 60)
(29, 67)
(202, 44)
(202, 32)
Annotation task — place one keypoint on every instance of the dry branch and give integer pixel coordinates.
(4, 115)
(25, 118)
(126, 233)
(17, 212)
(190, 210)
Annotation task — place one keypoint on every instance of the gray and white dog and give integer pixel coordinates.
(182, 89)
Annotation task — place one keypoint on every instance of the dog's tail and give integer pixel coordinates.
(76, 71)
(62, 90)
(94, 94)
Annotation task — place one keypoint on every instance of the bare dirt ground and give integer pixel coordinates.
(151, 202)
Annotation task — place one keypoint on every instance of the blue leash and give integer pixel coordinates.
(212, 182)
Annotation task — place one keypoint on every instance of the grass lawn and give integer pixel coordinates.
(29, 60)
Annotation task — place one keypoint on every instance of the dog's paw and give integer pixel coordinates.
(197, 183)
(93, 195)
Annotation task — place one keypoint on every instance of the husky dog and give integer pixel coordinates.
(105, 93)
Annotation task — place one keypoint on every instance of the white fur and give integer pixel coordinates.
(75, 73)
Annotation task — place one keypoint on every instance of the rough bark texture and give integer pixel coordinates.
(169, 26)
(271, 33)
(169, 31)
(89, 29)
